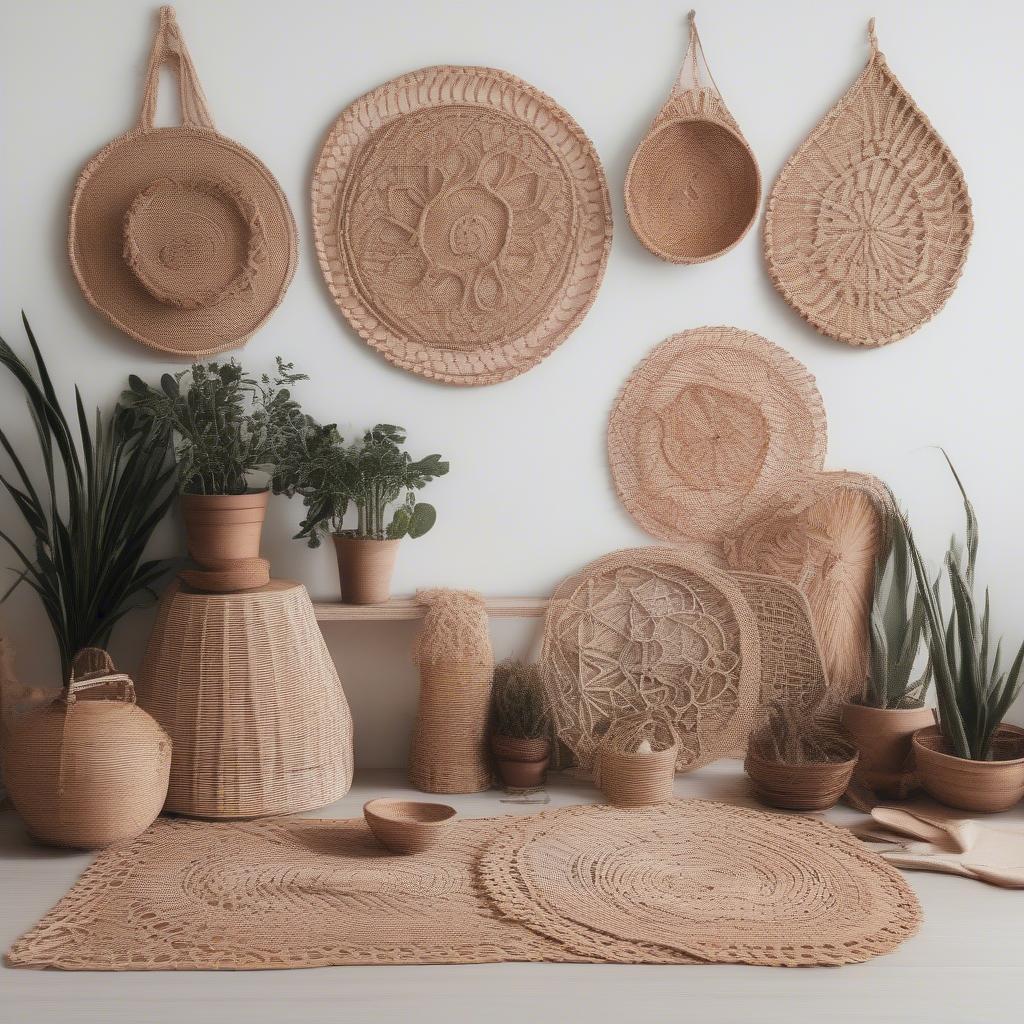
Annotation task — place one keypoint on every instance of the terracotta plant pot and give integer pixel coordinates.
(522, 763)
(633, 779)
(365, 567)
(883, 738)
(799, 787)
(223, 527)
(984, 786)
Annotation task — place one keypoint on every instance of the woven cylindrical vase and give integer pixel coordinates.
(456, 662)
(247, 689)
(633, 779)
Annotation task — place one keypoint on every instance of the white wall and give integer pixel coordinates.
(529, 496)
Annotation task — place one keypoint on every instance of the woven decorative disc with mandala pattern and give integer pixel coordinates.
(869, 224)
(462, 221)
(652, 632)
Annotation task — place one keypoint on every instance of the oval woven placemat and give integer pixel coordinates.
(695, 878)
(462, 221)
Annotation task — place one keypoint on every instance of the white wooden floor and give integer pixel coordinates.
(965, 966)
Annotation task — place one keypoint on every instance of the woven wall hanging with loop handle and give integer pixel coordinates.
(693, 186)
(868, 226)
(179, 236)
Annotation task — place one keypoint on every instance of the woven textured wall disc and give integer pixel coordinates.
(462, 222)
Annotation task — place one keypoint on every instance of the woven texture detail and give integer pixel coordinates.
(229, 575)
(462, 222)
(695, 879)
(869, 223)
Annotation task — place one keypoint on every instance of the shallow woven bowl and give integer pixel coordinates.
(407, 826)
(804, 787)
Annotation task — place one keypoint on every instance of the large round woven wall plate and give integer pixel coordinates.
(462, 221)
(707, 428)
(656, 632)
(869, 223)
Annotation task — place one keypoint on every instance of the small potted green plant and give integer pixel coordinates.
(376, 476)
(520, 725)
(229, 429)
(972, 759)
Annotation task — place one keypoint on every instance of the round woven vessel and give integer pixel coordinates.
(633, 779)
(407, 826)
(225, 577)
(799, 787)
(462, 222)
(179, 236)
(707, 428)
(652, 632)
(698, 879)
(869, 223)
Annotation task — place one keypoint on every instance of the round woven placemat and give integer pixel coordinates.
(708, 427)
(462, 221)
(652, 632)
(869, 223)
(694, 878)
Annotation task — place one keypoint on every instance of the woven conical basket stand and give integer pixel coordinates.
(246, 687)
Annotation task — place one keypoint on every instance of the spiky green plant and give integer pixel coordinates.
(973, 692)
(518, 702)
(91, 520)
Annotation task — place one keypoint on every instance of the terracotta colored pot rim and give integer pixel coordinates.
(936, 748)
(340, 538)
(520, 749)
(870, 709)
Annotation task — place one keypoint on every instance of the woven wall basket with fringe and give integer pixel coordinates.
(869, 223)
(693, 185)
(456, 663)
(462, 221)
(179, 236)
(246, 688)
(707, 428)
(656, 632)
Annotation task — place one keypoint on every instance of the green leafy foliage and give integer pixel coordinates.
(518, 703)
(91, 519)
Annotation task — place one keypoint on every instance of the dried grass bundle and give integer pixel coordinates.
(794, 736)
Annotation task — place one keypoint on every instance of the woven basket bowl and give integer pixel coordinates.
(634, 780)
(804, 787)
(407, 826)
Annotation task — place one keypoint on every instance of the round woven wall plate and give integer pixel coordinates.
(694, 878)
(462, 222)
(179, 236)
(708, 427)
(654, 632)
(869, 223)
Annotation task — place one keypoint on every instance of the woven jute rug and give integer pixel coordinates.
(462, 221)
(698, 879)
(869, 223)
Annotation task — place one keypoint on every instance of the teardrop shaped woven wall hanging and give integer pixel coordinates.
(462, 222)
(693, 186)
(869, 223)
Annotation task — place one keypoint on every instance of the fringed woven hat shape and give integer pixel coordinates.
(179, 236)
(707, 428)
(869, 224)
(462, 222)
(693, 185)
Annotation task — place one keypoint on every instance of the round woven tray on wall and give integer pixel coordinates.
(246, 688)
(462, 222)
(869, 223)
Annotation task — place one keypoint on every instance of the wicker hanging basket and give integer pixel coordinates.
(91, 768)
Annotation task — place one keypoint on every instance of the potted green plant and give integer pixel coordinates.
(371, 475)
(891, 708)
(520, 725)
(972, 759)
(229, 430)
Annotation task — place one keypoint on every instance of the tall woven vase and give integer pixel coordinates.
(246, 687)
(456, 662)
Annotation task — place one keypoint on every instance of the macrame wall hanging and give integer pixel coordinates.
(462, 221)
(869, 224)
(693, 185)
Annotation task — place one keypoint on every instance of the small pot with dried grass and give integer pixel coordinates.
(520, 725)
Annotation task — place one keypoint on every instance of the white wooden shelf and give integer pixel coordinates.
(405, 608)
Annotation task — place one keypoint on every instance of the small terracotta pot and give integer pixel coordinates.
(799, 787)
(522, 763)
(634, 780)
(883, 738)
(984, 786)
(223, 527)
(365, 567)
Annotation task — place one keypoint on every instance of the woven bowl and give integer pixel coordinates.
(407, 826)
(803, 787)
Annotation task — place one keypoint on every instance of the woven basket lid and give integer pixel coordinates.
(179, 236)
(869, 224)
(693, 186)
(462, 222)
(708, 427)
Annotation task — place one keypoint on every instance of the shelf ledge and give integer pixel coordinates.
(405, 608)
